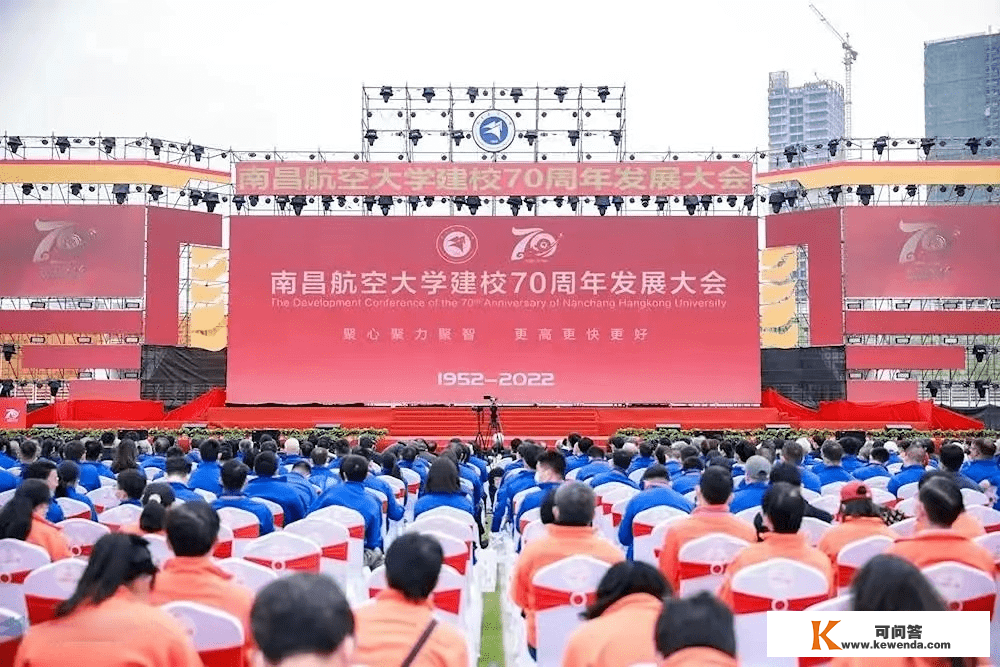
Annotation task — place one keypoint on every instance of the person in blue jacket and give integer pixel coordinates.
(620, 460)
(131, 484)
(409, 459)
(914, 460)
(830, 470)
(321, 475)
(952, 456)
(981, 465)
(6, 460)
(550, 472)
(598, 464)
(851, 447)
(354, 470)
(45, 471)
(8, 481)
(298, 477)
(206, 476)
(644, 459)
(275, 489)
(877, 461)
(442, 489)
(690, 475)
(514, 483)
(234, 478)
(758, 470)
(159, 457)
(394, 511)
(177, 470)
(92, 469)
(656, 492)
(68, 474)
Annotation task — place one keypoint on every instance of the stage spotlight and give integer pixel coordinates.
(644, 200)
(832, 146)
(428, 201)
(415, 136)
(911, 191)
(414, 202)
(574, 136)
(531, 136)
(515, 204)
(574, 202)
(776, 199)
(618, 201)
(371, 136)
(661, 201)
(748, 202)
(933, 387)
(731, 200)
(691, 203)
(790, 152)
(603, 92)
(981, 386)
(834, 192)
(386, 93)
(459, 202)
(472, 92)
(26, 188)
(108, 143)
(121, 190)
(706, 202)
(960, 190)
(8, 351)
(385, 203)
(62, 143)
(75, 188)
(973, 144)
(602, 202)
(926, 144)
(457, 135)
(865, 194)
(211, 201)
(238, 201)
(13, 143)
(369, 202)
(281, 201)
(791, 196)
(561, 93)
(474, 202)
(980, 352)
(298, 203)
(880, 144)
(341, 201)
(529, 203)
(253, 199)
(157, 145)
(54, 386)
(6, 388)
(196, 195)
(197, 151)
(616, 135)
(156, 191)
(516, 94)
(428, 94)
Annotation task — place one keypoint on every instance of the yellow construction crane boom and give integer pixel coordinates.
(850, 55)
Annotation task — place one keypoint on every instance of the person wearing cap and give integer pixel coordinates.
(792, 453)
(966, 524)
(939, 504)
(758, 469)
(859, 518)
(877, 461)
(831, 470)
(656, 492)
(893, 449)
(783, 509)
(914, 460)
(710, 515)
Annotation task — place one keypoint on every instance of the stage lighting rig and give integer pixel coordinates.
(108, 143)
(973, 144)
(238, 201)
(459, 202)
(731, 200)
(196, 195)
(341, 201)
(926, 144)
(981, 387)
(54, 386)
(790, 152)
(157, 145)
(385, 203)
(529, 203)
(880, 144)
(472, 92)
(473, 202)
(253, 199)
(832, 146)
(156, 191)
(603, 92)
(9, 350)
(691, 203)
(428, 201)
(371, 136)
(531, 136)
(616, 136)
(960, 190)
(6, 388)
(281, 201)
(980, 352)
(62, 143)
(120, 191)
(428, 94)
(211, 201)
(865, 194)
(197, 151)
(415, 136)
(26, 188)
(791, 196)
(911, 190)
(13, 143)
(661, 202)
(834, 192)
(386, 93)
(933, 387)
(75, 188)
(515, 204)
(644, 200)
(574, 136)
(298, 203)
(561, 92)
(602, 202)
(369, 202)
(574, 202)
(516, 94)
(748, 202)
(776, 200)
(414, 202)
(618, 201)
(706, 202)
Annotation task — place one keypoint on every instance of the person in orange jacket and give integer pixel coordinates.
(939, 504)
(859, 518)
(570, 535)
(192, 530)
(401, 620)
(696, 632)
(303, 619)
(783, 509)
(108, 621)
(888, 583)
(711, 515)
(630, 596)
(23, 518)
(966, 524)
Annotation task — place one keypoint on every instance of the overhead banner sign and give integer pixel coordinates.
(547, 310)
(494, 179)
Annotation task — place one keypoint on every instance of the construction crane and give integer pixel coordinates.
(850, 55)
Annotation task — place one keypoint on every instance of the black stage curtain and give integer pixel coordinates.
(177, 375)
(806, 375)
(988, 414)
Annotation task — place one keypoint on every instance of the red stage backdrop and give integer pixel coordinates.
(67, 251)
(926, 251)
(538, 309)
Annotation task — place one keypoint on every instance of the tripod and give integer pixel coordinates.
(492, 429)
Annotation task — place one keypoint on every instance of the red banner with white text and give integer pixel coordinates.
(541, 309)
(921, 251)
(70, 251)
(494, 179)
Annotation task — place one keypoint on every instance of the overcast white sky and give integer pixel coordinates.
(288, 73)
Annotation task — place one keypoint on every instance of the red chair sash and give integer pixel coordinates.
(605, 508)
(845, 574)
(616, 519)
(373, 592)
(984, 603)
(223, 549)
(336, 551)
(524, 524)
(40, 609)
(550, 598)
(689, 570)
(812, 662)
(458, 561)
(449, 601)
(249, 531)
(279, 519)
(8, 650)
(413, 488)
(307, 563)
(113, 527)
(356, 532)
(656, 552)
(99, 508)
(14, 577)
(222, 657)
(85, 514)
(641, 529)
(744, 603)
(78, 550)
(992, 529)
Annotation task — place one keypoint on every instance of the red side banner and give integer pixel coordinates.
(548, 310)
(13, 413)
(921, 251)
(526, 178)
(69, 251)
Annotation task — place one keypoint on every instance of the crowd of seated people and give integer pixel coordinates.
(179, 492)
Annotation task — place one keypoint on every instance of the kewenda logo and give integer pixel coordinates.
(534, 244)
(11, 416)
(457, 244)
(60, 252)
